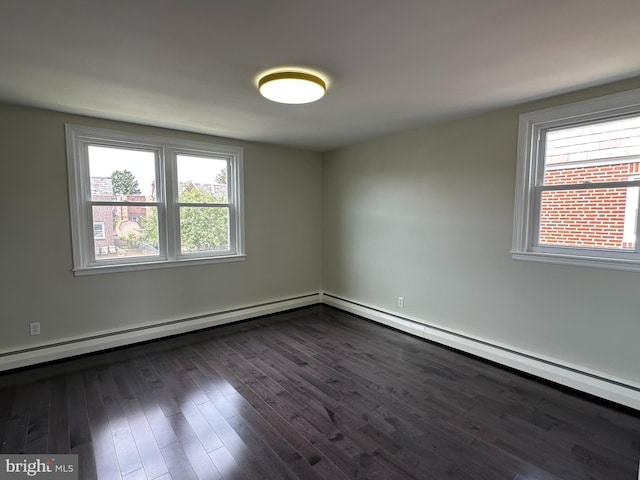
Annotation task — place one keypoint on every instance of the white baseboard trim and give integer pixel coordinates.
(598, 384)
(71, 347)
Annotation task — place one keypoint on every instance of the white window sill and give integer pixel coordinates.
(579, 260)
(102, 269)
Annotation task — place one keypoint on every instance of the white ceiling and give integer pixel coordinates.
(392, 65)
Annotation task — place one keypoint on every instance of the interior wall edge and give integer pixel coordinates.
(72, 347)
(598, 384)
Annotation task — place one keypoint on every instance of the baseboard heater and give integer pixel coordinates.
(81, 345)
(594, 383)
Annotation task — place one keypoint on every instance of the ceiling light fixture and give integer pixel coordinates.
(292, 87)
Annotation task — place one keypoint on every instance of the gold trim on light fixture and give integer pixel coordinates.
(292, 87)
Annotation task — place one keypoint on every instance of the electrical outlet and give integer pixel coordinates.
(401, 302)
(34, 328)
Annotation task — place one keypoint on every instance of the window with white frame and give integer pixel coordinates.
(577, 184)
(141, 201)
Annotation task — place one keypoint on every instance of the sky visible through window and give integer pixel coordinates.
(103, 161)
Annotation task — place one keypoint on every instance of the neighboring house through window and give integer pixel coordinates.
(98, 230)
(577, 184)
(140, 201)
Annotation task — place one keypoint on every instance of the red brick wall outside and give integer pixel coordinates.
(104, 214)
(133, 212)
(102, 190)
(586, 218)
(111, 216)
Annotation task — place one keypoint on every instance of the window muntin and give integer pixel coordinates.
(162, 202)
(577, 183)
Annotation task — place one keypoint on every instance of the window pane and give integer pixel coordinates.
(98, 230)
(122, 174)
(125, 238)
(593, 218)
(593, 153)
(204, 229)
(202, 179)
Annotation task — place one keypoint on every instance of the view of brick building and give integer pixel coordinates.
(113, 225)
(103, 217)
(583, 156)
(133, 212)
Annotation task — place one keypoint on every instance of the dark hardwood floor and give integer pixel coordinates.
(310, 394)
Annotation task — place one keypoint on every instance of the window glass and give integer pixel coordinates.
(139, 201)
(204, 229)
(121, 174)
(205, 175)
(592, 218)
(577, 184)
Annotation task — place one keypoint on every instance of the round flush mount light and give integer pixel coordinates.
(292, 87)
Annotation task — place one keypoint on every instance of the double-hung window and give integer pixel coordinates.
(577, 184)
(141, 201)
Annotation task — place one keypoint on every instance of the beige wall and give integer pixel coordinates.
(428, 214)
(283, 240)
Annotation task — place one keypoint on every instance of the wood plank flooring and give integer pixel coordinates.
(313, 394)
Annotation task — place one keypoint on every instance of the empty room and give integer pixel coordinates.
(320, 240)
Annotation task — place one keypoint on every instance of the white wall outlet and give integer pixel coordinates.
(34, 328)
(401, 302)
